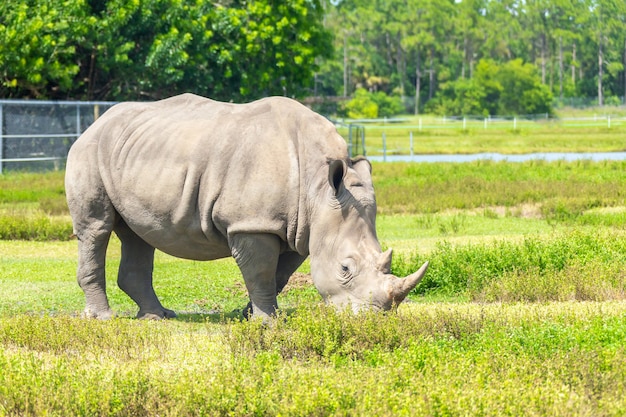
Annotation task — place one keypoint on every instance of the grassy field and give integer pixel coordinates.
(586, 133)
(521, 313)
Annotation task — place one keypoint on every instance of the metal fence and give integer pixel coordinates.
(36, 135)
(396, 135)
(354, 134)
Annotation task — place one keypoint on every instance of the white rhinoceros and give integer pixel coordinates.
(269, 183)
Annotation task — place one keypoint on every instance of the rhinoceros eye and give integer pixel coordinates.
(348, 267)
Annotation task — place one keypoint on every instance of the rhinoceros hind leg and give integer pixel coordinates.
(91, 276)
(93, 231)
(135, 274)
(257, 258)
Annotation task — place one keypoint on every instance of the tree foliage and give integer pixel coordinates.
(511, 88)
(370, 105)
(426, 48)
(140, 49)
(435, 54)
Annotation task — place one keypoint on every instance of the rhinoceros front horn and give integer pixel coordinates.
(402, 287)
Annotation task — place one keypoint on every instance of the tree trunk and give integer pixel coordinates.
(400, 66)
(345, 66)
(574, 65)
(561, 67)
(465, 56)
(431, 83)
(543, 58)
(418, 80)
(600, 72)
(389, 49)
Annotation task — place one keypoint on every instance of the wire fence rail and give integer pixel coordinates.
(489, 122)
(383, 134)
(37, 135)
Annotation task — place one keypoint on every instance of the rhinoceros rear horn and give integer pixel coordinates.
(383, 263)
(403, 287)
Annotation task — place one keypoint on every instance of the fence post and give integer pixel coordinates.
(384, 147)
(464, 122)
(1, 138)
(350, 140)
(420, 124)
(485, 123)
(363, 140)
(77, 120)
(609, 121)
(514, 123)
(411, 143)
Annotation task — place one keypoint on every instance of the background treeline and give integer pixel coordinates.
(442, 56)
(457, 55)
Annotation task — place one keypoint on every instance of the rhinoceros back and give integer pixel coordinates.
(187, 172)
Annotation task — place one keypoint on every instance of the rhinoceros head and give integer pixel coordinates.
(348, 266)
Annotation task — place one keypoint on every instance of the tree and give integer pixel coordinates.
(120, 49)
(522, 90)
(420, 46)
(37, 55)
(513, 88)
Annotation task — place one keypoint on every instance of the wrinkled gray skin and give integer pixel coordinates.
(268, 182)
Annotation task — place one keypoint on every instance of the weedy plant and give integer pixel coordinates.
(27, 224)
(573, 265)
(557, 359)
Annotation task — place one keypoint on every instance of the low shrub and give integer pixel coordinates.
(594, 281)
(581, 265)
(323, 332)
(38, 226)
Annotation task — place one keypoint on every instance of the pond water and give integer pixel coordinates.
(547, 156)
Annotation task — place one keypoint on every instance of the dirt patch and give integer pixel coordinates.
(526, 211)
(298, 280)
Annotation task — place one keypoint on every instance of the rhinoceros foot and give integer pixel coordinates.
(105, 314)
(160, 314)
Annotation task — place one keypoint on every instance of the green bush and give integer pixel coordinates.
(366, 105)
(388, 106)
(575, 265)
(512, 88)
(34, 227)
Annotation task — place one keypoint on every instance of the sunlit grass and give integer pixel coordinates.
(434, 136)
(556, 359)
(521, 312)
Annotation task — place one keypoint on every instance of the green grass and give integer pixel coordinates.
(434, 187)
(521, 312)
(451, 137)
(557, 359)
(32, 206)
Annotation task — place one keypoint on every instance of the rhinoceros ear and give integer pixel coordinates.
(336, 172)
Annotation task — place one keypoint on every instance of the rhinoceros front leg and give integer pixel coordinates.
(135, 274)
(288, 262)
(257, 258)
